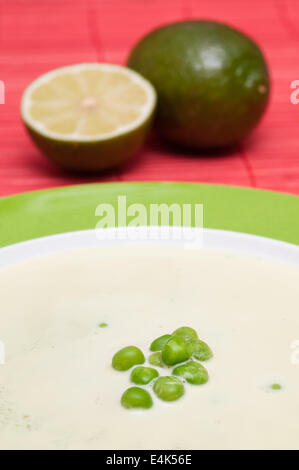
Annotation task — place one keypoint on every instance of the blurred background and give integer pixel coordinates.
(39, 35)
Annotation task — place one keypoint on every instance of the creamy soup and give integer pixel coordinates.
(58, 389)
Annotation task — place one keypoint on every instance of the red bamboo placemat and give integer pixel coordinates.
(38, 35)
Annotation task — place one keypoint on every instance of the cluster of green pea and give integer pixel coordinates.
(181, 347)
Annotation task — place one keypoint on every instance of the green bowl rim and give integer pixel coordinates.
(37, 214)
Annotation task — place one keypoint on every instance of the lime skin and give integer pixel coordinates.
(97, 155)
(212, 82)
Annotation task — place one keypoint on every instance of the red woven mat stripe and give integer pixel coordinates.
(36, 36)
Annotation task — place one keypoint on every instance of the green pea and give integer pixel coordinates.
(155, 359)
(168, 388)
(276, 387)
(176, 350)
(136, 397)
(103, 325)
(193, 372)
(186, 332)
(159, 343)
(127, 357)
(200, 350)
(143, 375)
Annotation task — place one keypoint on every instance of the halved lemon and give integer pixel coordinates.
(89, 116)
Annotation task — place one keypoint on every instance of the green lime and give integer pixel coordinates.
(212, 82)
(89, 116)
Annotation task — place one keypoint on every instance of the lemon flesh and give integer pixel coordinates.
(89, 116)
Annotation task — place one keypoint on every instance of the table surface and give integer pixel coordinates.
(39, 35)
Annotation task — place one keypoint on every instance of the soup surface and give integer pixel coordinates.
(59, 391)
